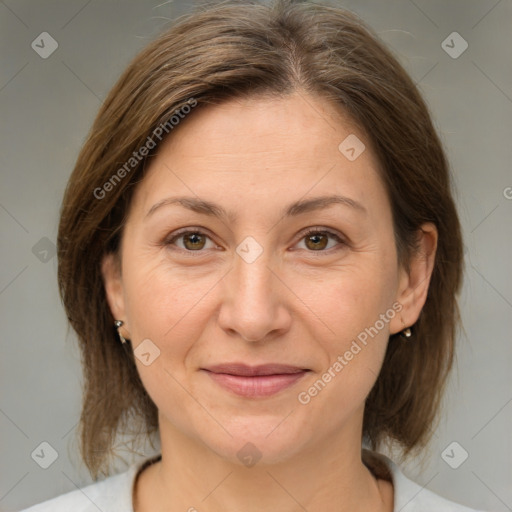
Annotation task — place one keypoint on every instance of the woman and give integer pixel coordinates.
(260, 254)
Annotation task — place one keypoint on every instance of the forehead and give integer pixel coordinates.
(260, 148)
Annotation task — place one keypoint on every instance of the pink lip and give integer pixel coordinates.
(255, 381)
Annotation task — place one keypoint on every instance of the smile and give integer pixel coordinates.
(255, 381)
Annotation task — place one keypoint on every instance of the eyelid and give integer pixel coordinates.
(169, 240)
(326, 231)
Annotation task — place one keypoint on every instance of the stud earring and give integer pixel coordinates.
(119, 323)
(406, 333)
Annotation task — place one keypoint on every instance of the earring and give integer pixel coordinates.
(119, 323)
(406, 332)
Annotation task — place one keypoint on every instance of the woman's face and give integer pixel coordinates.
(230, 276)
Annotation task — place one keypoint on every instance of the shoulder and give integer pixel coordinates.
(113, 494)
(109, 495)
(411, 497)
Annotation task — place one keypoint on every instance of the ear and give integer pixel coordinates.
(112, 280)
(414, 282)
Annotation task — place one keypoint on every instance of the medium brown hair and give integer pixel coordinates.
(243, 48)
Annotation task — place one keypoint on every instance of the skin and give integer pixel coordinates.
(295, 304)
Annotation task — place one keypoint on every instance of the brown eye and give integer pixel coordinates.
(194, 241)
(190, 241)
(317, 241)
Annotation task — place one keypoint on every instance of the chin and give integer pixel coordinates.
(256, 441)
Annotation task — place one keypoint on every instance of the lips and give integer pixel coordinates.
(255, 381)
(244, 370)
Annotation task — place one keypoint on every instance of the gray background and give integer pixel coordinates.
(47, 107)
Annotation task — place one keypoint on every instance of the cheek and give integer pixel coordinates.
(353, 310)
(170, 308)
(160, 297)
(347, 299)
(354, 356)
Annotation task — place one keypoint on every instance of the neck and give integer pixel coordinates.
(330, 477)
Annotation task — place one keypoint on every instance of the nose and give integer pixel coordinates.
(254, 301)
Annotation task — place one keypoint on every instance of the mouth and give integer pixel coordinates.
(255, 381)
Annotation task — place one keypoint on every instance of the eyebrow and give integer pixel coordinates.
(297, 208)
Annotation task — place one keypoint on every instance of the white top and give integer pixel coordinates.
(114, 494)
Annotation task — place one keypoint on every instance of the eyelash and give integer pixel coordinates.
(311, 231)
